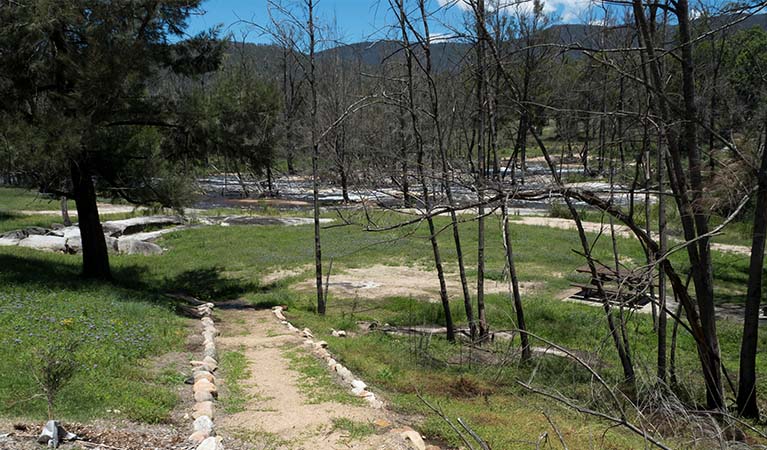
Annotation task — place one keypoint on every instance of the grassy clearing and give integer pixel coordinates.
(234, 365)
(229, 262)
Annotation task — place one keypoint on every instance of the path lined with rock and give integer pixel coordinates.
(278, 415)
(204, 387)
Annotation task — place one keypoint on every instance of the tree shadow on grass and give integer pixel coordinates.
(208, 283)
(8, 215)
(40, 272)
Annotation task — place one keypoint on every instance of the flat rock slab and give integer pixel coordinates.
(260, 220)
(66, 232)
(9, 242)
(117, 228)
(135, 247)
(45, 243)
(152, 235)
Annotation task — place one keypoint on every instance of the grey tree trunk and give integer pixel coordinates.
(315, 161)
(517, 298)
(747, 405)
(484, 329)
(65, 211)
(663, 244)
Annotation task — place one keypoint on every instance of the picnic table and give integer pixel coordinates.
(622, 287)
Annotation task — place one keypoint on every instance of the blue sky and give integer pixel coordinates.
(358, 20)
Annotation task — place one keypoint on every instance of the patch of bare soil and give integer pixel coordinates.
(381, 281)
(124, 435)
(104, 208)
(277, 414)
(282, 274)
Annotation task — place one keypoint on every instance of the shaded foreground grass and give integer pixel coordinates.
(113, 332)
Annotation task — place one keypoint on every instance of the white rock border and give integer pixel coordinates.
(204, 387)
(319, 348)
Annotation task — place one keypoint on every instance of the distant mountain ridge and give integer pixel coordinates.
(451, 55)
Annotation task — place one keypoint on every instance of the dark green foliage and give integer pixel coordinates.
(77, 78)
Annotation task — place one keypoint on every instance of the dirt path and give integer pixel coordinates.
(278, 413)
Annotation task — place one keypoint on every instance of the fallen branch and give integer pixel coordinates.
(446, 419)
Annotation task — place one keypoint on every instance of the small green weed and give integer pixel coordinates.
(315, 382)
(356, 430)
(234, 366)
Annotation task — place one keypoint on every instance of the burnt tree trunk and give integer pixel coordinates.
(524, 339)
(402, 18)
(315, 162)
(747, 405)
(484, 329)
(446, 178)
(688, 199)
(407, 200)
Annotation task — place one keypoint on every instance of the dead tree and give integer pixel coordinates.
(425, 44)
(311, 32)
(478, 7)
(514, 282)
(398, 7)
(746, 400)
(687, 185)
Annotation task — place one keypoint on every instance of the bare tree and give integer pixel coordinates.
(398, 7)
(746, 400)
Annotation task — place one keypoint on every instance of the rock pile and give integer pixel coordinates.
(319, 348)
(204, 387)
(122, 236)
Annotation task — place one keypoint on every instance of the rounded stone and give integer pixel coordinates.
(211, 443)
(203, 396)
(203, 424)
(204, 375)
(203, 409)
(198, 437)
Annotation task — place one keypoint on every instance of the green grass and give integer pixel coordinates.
(234, 365)
(355, 430)
(228, 262)
(315, 381)
(114, 331)
(23, 199)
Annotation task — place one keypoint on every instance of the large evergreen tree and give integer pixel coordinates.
(81, 102)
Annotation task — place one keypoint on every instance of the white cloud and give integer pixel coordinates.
(440, 37)
(568, 10)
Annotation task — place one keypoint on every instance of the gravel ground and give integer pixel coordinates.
(105, 435)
